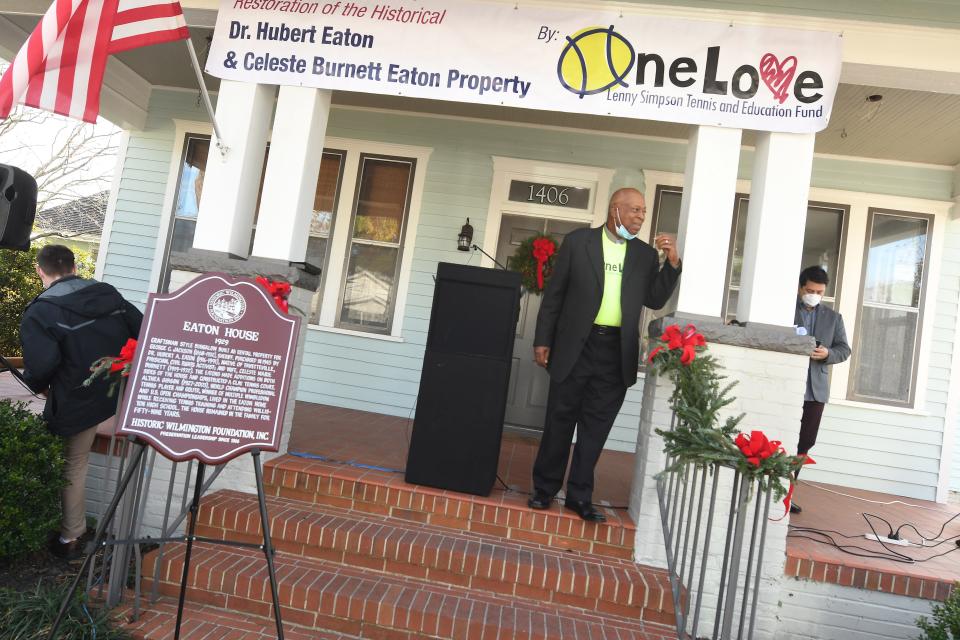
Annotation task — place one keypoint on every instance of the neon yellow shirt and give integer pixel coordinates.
(614, 252)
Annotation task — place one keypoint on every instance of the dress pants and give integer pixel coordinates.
(809, 425)
(589, 400)
(76, 452)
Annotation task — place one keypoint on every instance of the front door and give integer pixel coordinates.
(529, 384)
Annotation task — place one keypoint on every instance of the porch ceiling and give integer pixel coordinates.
(907, 125)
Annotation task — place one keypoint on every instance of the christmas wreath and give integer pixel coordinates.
(534, 260)
(700, 435)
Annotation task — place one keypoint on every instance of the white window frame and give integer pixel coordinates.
(340, 236)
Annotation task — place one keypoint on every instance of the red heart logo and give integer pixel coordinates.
(778, 75)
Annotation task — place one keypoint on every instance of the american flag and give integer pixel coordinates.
(61, 65)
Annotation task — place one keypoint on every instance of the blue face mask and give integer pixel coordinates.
(622, 230)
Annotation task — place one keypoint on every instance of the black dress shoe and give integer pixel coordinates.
(585, 510)
(795, 508)
(72, 550)
(540, 500)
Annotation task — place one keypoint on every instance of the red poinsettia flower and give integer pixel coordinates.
(653, 354)
(126, 356)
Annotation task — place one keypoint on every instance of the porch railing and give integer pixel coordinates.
(110, 574)
(715, 595)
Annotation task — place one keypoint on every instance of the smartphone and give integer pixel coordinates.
(819, 343)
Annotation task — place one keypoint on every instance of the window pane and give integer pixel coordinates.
(321, 222)
(183, 229)
(740, 219)
(382, 200)
(191, 178)
(325, 198)
(668, 212)
(328, 183)
(367, 291)
(895, 260)
(885, 369)
(733, 299)
(317, 250)
(821, 243)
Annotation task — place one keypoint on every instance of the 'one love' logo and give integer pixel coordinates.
(778, 75)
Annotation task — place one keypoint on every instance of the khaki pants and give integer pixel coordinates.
(77, 453)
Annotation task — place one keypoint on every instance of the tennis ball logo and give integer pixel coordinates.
(594, 60)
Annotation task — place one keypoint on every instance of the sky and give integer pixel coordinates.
(30, 145)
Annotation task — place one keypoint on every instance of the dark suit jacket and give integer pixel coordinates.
(573, 294)
(829, 331)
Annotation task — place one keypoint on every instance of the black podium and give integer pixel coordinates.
(466, 373)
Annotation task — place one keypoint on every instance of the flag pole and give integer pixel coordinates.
(206, 96)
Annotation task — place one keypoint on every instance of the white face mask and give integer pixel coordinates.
(811, 299)
(622, 230)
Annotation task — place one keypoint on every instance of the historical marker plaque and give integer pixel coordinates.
(212, 372)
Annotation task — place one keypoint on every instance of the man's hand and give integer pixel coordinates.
(820, 353)
(541, 355)
(668, 244)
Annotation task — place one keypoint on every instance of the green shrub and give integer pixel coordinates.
(19, 284)
(946, 619)
(28, 615)
(31, 477)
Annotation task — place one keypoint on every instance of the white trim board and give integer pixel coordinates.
(507, 169)
(111, 211)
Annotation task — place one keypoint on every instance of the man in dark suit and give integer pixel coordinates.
(587, 337)
(826, 326)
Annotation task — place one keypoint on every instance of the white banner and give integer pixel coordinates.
(537, 57)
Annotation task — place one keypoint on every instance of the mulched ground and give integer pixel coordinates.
(25, 573)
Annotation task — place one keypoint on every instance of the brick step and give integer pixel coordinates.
(444, 556)
(203, 622)
(503, 514)
(316, 593)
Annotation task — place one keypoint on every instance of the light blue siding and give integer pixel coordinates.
(382, 376)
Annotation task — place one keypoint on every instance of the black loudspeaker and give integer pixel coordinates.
(466, 373)
(18, 207)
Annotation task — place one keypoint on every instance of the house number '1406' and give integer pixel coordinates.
(548, 195)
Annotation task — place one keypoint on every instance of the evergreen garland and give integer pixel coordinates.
(699, 435)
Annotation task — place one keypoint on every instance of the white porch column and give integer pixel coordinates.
(296, 148)
(706, 212)
(776, 221)
(231, 182)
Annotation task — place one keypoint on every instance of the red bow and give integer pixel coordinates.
(280, 291)
(757, 447)
(688, 340)
(126, 357)
(543, 248)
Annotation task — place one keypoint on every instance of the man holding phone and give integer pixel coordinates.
(826, 326)
(588, 336)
